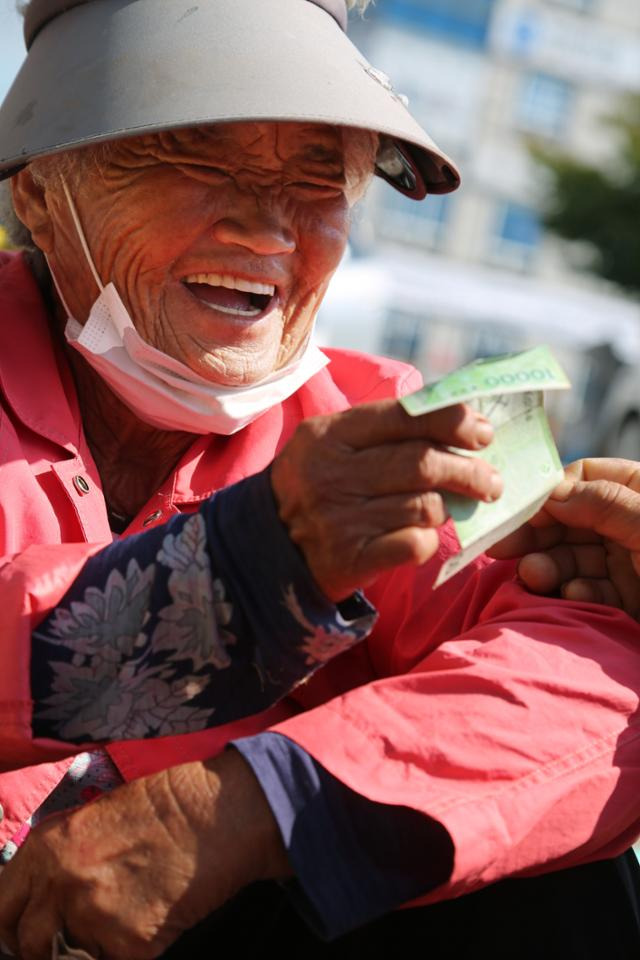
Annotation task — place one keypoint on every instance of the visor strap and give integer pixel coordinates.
(81, 236)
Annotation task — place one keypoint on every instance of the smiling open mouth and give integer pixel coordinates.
(240, 298)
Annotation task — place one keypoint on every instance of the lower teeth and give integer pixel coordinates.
(250, 312)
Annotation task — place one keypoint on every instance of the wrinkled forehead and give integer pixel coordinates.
(268, 143)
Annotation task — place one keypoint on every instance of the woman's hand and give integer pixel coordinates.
(585, 542)
(358, 491)
(127, 874)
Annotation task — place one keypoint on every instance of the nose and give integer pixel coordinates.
(256, 230)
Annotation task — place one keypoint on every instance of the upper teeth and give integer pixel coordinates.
(231, 283)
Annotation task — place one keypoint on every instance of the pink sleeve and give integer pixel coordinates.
(31, 584)
(512, 719)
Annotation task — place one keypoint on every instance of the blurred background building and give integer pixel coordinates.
(476, 273)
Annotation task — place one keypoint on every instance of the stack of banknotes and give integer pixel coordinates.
(509, 391)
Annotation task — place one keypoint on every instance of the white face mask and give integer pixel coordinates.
(163, 391)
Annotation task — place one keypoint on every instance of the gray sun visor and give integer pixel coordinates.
(103, 69)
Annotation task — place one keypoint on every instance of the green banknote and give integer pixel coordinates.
(508, 390)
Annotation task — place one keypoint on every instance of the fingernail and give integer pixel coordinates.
(563, 490)
(484, 432)
(495, 488)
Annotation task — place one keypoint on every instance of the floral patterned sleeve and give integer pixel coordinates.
(207, 619)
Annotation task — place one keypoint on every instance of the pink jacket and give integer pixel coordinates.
(511, 719)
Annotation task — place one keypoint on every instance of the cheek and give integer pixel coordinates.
(139, 233)
(323, 241)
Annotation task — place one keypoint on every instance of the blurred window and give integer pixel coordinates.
(581, 5)
(492, 340)
(422, 223)
(517, 236)
(403, 336)
(544, 104)
(462, 21)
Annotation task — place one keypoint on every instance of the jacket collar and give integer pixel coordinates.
(34, 376)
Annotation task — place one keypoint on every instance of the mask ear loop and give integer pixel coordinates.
(81, 236)
(83, 244)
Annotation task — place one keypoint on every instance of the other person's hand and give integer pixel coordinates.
(359, 490)
(125, 875)
(585, 542)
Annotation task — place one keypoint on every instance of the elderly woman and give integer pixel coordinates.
(190, 512)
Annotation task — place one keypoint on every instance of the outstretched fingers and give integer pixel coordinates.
(592, 591)
(546, 572)
(604, 506)
(386, 421)
(419, 466)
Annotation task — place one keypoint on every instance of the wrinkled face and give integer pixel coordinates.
(221, 241)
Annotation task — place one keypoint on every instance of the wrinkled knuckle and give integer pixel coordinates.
(327, 427)
(414, 545)
(458, 420)
(480, 474)
(320, 488)
(314, 485)
(316, 531)
(429, 465)
(430, 509)
(607, 490)
(312, 427)
(612, 496)
(307, 434)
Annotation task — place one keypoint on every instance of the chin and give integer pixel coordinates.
(233, 374)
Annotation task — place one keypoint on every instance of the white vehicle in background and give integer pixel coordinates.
(618, 432)
(438, 314)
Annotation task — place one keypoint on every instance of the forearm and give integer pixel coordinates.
(218, 809)
(134, 869)
(353, 859)
(208, 619)
(519, 737)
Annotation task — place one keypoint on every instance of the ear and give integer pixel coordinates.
(30, 205)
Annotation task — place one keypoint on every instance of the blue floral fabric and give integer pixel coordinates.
(204, 620)
(201, 621)
(90, 775)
